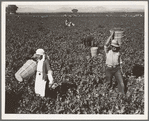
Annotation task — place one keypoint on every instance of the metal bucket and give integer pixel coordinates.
(118, 36)
(94, 51)
(26, 71)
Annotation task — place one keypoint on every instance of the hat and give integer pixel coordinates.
(40, 51)
(115, 43)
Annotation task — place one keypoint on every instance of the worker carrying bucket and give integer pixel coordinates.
(114, 62)
(94, 51)
(43, 72)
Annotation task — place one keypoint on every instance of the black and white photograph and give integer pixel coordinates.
(76, 60)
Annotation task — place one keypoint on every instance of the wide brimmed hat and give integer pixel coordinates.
(40, 52)
(115, 43)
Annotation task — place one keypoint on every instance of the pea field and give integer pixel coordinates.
(82, 87)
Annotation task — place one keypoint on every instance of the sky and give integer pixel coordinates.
(82, 6)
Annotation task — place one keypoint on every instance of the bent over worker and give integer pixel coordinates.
(43, 74)
(113, 62)
(69, 23)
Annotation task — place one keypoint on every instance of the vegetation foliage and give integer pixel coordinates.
(82, 88)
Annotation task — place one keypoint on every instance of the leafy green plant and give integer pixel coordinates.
(82, 86)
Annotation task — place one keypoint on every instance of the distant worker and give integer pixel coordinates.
(43, 74)
(113, 62)
(68, 23)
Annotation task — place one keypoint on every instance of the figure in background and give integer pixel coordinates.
(69, 23)
(113, 62)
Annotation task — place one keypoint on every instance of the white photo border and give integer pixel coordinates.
(71, 116)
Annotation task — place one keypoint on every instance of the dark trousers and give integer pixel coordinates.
(110, 72)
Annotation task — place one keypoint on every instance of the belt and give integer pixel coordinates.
(112, 66)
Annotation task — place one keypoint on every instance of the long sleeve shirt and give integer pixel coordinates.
(46, 68)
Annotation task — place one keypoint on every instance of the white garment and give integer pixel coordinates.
(40, 84)
(113, 58)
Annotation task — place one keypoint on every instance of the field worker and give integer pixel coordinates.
(113, 62)
(68, 23)
(43, 74)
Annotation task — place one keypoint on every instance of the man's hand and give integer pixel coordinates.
(50, 72)
(50, 78)
(111, 32)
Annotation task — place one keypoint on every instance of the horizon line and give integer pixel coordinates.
(90, 12)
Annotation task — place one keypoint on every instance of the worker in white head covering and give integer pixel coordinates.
(43, 74)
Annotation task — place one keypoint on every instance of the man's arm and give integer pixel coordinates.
(109, 39)
(49, 73)
(106, 46)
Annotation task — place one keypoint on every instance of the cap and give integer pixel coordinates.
(115, 43)
(40, 51)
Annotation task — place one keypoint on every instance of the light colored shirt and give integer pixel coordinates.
(112, 58)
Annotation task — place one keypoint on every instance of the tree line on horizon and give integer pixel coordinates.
(11, 9)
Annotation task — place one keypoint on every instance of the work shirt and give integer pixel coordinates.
(112, 58)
